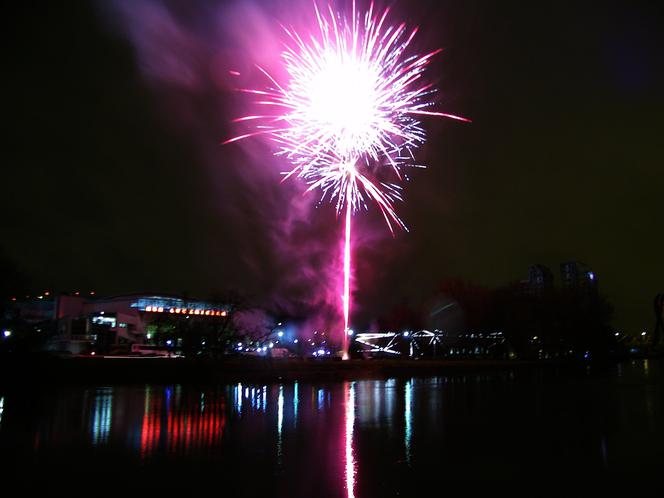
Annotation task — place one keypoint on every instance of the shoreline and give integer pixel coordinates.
(108, 370)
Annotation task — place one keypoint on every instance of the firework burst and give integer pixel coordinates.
(347, 113)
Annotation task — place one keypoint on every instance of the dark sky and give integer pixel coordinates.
(115, 182)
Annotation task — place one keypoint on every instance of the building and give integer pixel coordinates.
(578, 278)
(108, 322)
(540, 280)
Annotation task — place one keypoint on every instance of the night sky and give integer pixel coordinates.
(114, 178)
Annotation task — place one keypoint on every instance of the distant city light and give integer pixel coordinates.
(406, 333)
(643, 333)
(169, 342)
(295, 341)
(591, 276)
(617, 334)
(271, 345)
(350, 332)
(7, 333)
(280, 334)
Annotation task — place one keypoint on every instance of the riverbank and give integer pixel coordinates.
(45, 370)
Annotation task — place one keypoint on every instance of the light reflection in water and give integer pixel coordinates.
(408, 415)
(280, 421)
(389, 394)
(237, 395)
(341, 448)
(321, 398)
(172, 425)
(349, 394)
(295, 403)
(102, 414)
(376, 400)
(280, 407)
(256, 399)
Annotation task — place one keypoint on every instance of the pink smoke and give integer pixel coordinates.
(193, 61)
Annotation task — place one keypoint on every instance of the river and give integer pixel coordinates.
(365, 438)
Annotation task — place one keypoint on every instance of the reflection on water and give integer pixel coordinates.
(101, 417)
(363, 439)
(295, 403)
(280, 421)
(173, 425)
(349, 404)
(408, 418)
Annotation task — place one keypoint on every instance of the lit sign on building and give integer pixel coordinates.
(177, 306)
(106, 321)
(185, 311)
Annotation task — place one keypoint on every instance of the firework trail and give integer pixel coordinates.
(346, 116)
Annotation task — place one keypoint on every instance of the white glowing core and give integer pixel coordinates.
(343, 103)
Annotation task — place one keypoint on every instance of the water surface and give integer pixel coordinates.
(364, 439)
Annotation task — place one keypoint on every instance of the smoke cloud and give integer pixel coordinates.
(193, 57)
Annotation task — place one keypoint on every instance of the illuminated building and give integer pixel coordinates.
(577, 277)
(106, 322)
(540, 280)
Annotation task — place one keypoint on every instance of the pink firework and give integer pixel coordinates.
(347, 114)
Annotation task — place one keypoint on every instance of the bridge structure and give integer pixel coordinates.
(430, 343)
(406, 343)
